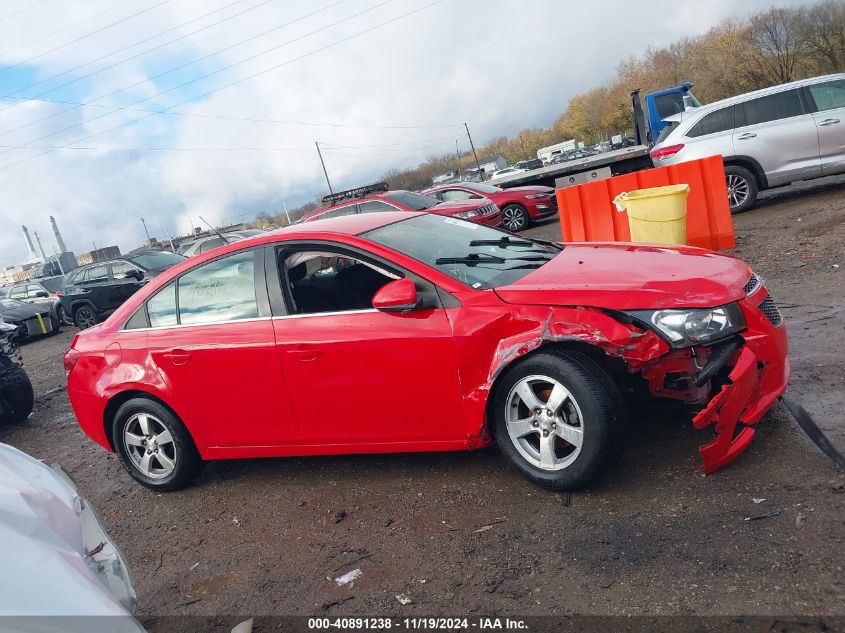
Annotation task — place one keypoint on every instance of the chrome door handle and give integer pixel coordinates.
(747, 135)
(827, 122)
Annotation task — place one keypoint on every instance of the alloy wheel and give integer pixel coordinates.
(738, 190)
(85, 318)
(544, 422)
(149, 445)
(513, 218)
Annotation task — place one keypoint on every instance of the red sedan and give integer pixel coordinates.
(378, 198)
(520, 205)
(391, 332)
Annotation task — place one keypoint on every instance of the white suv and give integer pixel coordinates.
(767, 138)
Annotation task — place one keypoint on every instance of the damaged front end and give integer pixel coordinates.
(730, 380)
(736, 380)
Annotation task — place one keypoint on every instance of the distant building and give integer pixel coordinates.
(55, 265)
(15, 274)
(99, 255)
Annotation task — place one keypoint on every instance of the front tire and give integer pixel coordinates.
(154, 446)
(16, 393)
(742, 188)
(515, 217)
(558, 419)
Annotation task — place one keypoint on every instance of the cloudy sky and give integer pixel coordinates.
(211, 107)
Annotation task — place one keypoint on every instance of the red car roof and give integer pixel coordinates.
(354, 224)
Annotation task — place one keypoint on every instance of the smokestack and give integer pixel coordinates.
(32, 255)
(59, 241)
(40, 248)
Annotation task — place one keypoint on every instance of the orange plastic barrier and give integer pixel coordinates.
(587, 212)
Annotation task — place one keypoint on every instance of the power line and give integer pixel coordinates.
(243, 79)
(163, 149)
(422, 140)
(64, 27)
(82, 37)
(152, 37)
(209, 74)
(221, 117)
(24, 10)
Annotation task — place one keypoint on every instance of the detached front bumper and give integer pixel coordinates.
(757, 378)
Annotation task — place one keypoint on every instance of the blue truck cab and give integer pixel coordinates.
(664, 103)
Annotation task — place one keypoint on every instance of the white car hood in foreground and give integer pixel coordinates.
(56, 558)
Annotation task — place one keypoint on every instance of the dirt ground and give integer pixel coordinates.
(460, 534)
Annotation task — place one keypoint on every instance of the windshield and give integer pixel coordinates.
(53, 284)
(156, 260)
(415, 201)
(476, 255)
(484, 188)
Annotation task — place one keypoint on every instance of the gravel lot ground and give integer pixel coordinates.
(460, 534)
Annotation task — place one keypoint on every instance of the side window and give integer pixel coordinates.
(450, 195)
(219, 291)
(374, 206)
(828, 95)
(96, 274)
(349, 209)
(32, 291)
(18, 293)
(322, 281)
(162, 307)
(781, 105)
(119, 269)
(209, 244)
(718, 121)
(73, 278)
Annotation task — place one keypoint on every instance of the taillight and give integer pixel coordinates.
(71, 357)
(58, 293)
(665, 152)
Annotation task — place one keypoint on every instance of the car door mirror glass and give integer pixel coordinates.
(397, 296)
(41, 294)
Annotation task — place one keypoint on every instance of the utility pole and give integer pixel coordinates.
(323, 163)
(469, 136)
(145, 230)
(458, 157)
(285, 207)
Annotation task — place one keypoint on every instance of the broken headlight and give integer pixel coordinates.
(683, 328)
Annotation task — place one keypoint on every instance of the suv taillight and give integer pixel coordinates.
(665, 152)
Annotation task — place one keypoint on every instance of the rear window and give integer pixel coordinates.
(829, 95)
(718, 121)
(157, 260)
(52, 284)
(413, 201)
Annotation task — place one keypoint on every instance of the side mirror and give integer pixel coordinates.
(475, 196)
(41, 294)
(135, 274)
(396, 296)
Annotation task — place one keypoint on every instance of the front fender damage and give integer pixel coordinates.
(752, 385)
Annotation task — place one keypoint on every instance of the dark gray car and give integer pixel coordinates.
(41, 292)
(32, 321)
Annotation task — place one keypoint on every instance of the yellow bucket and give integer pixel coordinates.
(657, 215)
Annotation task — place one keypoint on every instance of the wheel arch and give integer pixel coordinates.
(612, 365)
(751, 165)
(116, 401)
(78, 303)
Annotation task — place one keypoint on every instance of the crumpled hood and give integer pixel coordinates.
(622, 276)
(24, 312)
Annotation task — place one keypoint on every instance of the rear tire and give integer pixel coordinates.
(16, 393)
(515, 217)
(742, 188)
(84, 317)
(154, 446)
(579, 431)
